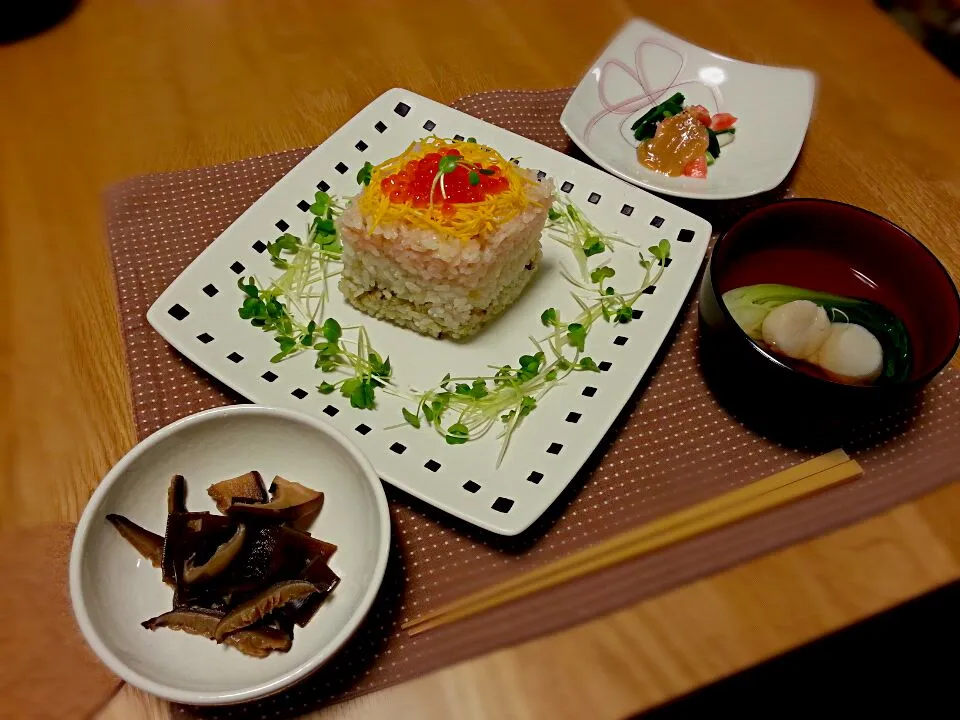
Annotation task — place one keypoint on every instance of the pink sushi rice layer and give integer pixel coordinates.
(433, 257)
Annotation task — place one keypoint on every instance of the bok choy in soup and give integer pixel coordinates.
(844, 339)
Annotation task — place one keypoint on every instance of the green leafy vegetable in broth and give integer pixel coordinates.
(751, 304)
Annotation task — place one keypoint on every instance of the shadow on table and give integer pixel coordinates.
(26, 18)
(903, 658)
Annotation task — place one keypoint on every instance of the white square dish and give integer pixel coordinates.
(643, 65)
(198, 315)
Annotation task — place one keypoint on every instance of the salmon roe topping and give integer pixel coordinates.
(412, 184)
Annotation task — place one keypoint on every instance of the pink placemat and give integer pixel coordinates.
(672, 447)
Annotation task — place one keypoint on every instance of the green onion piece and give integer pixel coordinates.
(713, 146)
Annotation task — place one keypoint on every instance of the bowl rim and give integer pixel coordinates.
(195, 697)
(914, 383)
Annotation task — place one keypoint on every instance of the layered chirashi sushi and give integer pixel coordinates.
(443, 238)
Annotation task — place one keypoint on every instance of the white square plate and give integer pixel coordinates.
(556, 439)
(644, 65)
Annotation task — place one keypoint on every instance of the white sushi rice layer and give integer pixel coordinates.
(436, 284)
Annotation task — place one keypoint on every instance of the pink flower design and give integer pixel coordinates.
(649, 94)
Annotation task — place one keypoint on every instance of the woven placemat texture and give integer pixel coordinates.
(672, 447)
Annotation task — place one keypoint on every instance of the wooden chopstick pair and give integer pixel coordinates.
(809, 477)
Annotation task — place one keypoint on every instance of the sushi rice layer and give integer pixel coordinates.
(434, 283)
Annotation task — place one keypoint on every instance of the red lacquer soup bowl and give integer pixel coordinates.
(830, 247)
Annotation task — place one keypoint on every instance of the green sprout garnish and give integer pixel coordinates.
(365, 174)
(661, 251)
(475, 405)
(577, 335)
(292, 309)
(365, 368)
(570, 227)
(459, 409)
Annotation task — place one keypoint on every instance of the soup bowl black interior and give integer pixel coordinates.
(836, 248)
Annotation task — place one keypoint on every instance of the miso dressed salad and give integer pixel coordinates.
(677, 139)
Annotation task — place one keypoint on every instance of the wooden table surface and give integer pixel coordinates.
(123, 88)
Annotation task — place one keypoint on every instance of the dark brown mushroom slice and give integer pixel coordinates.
(272, 553)
(177, 495)
(200, 597)
(147, 543)
(289, 502)
(262, 604)
(310, 547)
(192, 533)
(268, 556)
(257, 565)
(246, 488)
(196, 621)
(324, 579)
(262, 562)
(278, 622)
(218, 563)
(260, 640)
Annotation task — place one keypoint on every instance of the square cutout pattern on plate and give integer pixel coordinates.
(502, 504)
(178, 312)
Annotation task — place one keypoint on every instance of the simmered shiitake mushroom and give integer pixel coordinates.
(289, 502)
(219, 562)
(147, 543)
(247, 488)
(257, 640)
(244, 578)
(262, 605)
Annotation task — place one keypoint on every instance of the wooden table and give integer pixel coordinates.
(123, 88)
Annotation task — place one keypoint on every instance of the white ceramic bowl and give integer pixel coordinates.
(114, 589)
(644, 65)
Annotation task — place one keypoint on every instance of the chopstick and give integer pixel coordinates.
(821, 472)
